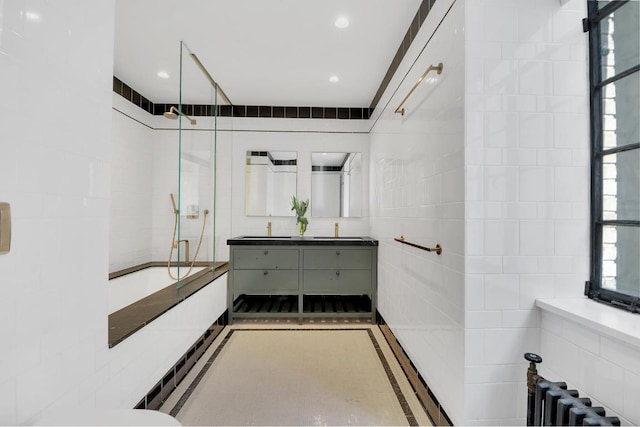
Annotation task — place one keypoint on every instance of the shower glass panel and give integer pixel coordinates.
(197, 109)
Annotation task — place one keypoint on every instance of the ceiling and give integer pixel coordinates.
(260, 52)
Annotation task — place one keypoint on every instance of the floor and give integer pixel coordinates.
(280, 373)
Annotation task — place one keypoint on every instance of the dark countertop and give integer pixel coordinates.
(304, 241)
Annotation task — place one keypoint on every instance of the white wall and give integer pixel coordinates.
(527, 188)
(55, 171)
(601, 366)
(417, 191)
(353, 198)
(130, 234)
(508, 199)
(145, 171)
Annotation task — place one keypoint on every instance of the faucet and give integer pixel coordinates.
(186, 247)
(269, 229)
(337, 229)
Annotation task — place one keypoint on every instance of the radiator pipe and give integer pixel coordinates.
(532, 379)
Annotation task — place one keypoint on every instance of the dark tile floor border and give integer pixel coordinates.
(430, 403)
(411, 420)
(174, 376)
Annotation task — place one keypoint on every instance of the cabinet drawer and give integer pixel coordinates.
(265, 281)
(337, 259)
(337, 281)
(267, 258)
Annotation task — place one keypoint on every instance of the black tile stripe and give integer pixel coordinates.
(290, 112)
(412, 31)
(411, 420)
(187, 394)
(252, 111)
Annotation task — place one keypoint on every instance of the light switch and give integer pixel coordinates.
(5, 228)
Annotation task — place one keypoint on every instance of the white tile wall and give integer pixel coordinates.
(418, 190)
(145, 172)
(58, 186)
(525, 187)
(527, 97)
(131, 210)
(55, 167)
(599, 366)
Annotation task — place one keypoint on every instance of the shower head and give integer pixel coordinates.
(170, 114)
(174, 113)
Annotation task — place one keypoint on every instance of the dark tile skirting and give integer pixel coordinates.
(411, 420)
(289, 112)
(163, 388)
(434, 409)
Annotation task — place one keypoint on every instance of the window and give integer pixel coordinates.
(614, 52)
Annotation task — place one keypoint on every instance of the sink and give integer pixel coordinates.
(353, 239)
(302, 241)
(265, 237)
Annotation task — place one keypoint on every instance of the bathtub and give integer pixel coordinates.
(132, 287)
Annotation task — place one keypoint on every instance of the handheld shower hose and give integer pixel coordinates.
(176, 213)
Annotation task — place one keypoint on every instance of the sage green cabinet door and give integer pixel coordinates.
(265, 281)
(265, 258)
(337, 259)
(337, 282)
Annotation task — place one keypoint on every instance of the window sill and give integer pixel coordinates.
(601, 318)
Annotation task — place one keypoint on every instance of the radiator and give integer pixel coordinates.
(549, 403)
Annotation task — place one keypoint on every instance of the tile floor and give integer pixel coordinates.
(320, 373)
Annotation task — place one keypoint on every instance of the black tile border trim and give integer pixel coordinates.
(412, 31)
(157, 395)
(251, 111)
(289, 112)
(196, 381)
(411, 420)
(429, 402)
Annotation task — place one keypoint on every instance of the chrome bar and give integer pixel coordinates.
(438, 68)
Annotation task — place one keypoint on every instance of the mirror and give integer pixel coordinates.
(336, 185)
(270, 181)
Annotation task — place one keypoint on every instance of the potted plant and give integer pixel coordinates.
(300, 207)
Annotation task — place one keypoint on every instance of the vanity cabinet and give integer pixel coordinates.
(265, 270)
(298, 273)
(337, 271)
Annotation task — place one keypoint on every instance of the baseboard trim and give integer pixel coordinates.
(434, 409)
(163, 388)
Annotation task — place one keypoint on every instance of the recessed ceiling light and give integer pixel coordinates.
(334, 78)
(162, 74)
(342, 22)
